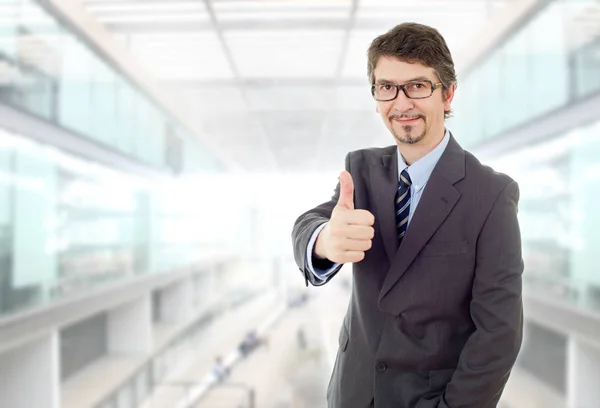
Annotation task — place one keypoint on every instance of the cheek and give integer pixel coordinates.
(384, 110)
(432, 112)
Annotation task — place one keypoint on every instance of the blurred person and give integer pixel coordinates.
(435, 315)
(220, 371)
(250, 342)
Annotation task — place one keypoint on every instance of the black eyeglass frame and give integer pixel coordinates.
(402, 86)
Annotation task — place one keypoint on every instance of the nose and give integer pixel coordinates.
(402, 103)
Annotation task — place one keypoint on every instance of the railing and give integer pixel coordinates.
(250, 397)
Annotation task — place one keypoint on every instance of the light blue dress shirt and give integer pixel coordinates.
(419, 173)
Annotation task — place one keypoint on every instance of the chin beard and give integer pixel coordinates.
(408, 135)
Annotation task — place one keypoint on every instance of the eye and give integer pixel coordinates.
(385, 87)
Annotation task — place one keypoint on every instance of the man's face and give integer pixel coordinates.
(411, 120)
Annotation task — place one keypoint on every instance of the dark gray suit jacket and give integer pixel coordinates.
(436, 322)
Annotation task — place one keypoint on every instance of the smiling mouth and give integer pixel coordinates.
(406, 120)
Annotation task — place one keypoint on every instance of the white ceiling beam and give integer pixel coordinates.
(149, 8)
(93, 3)
(255, 25)
(267, 82)
(305, 12)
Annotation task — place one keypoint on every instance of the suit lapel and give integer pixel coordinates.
(438, 199)
(384, 182)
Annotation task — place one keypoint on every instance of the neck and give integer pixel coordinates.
(413, 152)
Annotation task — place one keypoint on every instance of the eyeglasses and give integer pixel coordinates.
(413, 90)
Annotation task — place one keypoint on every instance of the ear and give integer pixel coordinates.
(448, 97)
(377, 107)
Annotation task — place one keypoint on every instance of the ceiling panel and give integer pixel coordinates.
(285, 53)
(283, 14)
(205, 101)
(289, 98)
(106, 7)
(183, 56)
(141, 12)
(293, 137)
(242, 135)
(279, 5)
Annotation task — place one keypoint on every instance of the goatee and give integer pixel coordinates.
(407, 136)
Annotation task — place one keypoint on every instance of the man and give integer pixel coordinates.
(435, 316)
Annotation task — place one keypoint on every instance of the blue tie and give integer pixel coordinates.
(402, 204)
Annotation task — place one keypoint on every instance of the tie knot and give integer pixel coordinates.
(405, 178)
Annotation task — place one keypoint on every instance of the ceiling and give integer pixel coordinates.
(281, 85)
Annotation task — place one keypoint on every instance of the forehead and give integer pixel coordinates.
(392, 69)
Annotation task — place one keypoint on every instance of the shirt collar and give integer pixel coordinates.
(420, 170)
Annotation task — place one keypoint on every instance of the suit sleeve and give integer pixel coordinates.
(305, 226)
(496, 309)
(330, 267)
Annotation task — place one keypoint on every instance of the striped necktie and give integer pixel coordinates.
(402, 204)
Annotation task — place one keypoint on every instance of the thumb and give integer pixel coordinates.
(346, 191)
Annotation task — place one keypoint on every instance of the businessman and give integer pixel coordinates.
(435, 316)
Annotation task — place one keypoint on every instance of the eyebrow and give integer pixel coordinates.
(386, 81)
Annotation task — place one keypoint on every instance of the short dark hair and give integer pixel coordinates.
(413, 42)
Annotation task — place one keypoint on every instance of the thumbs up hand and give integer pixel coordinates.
(348, 234)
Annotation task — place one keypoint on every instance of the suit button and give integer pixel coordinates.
(381, 367)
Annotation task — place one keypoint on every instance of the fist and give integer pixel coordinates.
(348, 234)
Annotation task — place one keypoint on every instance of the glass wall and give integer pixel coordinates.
(67, 224)
(558, 211)
(49, 71)
(552, 60)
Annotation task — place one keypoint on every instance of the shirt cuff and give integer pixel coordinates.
(320, 273)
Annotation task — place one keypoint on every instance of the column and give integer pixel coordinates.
(130, 327)
(583, 375)
(176, 302)
(30, 374)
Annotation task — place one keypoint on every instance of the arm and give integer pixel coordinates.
(325, 267)
(496, 309)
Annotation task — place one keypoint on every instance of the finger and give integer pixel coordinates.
(354, 256)
(357, 244)
(359, 217)
(359, 232)
(346, 198)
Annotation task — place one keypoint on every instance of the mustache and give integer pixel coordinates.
(407, 115)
